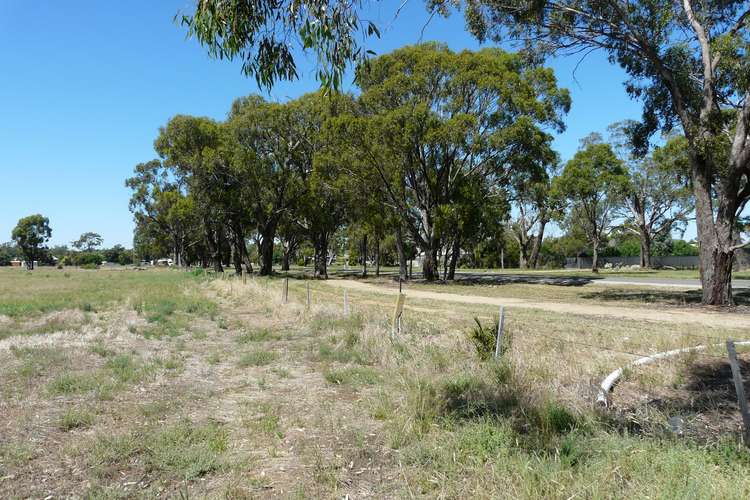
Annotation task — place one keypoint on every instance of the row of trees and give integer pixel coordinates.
(441, 151)
(687, 62)
(427, 152)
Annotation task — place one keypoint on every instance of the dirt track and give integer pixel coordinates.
(708, 318)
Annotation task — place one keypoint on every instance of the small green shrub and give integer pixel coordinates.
(557, 419)
(484, 339)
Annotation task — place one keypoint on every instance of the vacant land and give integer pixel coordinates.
(166, 383)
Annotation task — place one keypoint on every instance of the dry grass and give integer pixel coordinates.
(239, 395)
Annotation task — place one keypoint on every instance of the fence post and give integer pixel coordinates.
(244, 278)
(740, 389)
(397, 312)
(346, 302)
(308, 295)
(500, 326)
(285, 291)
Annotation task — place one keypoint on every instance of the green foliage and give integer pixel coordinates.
(484, 339)
(88, 242)
(30, 235)
(86, 260)
(258, 33)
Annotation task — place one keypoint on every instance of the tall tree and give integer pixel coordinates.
(160, 205)
(658, 197)
(434, 118)
(194, 150)
(87, 242)
(593, 182)
(323, 203)
(536, 204)
(264, 141)
(689, 63)
(30, 234)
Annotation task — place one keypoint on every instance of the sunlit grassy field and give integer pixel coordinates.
(162, 383)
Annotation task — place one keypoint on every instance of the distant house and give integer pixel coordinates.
(16, 263)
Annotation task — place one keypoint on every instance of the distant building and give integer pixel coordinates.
(16, 263)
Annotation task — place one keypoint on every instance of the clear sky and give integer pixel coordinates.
(86, 84)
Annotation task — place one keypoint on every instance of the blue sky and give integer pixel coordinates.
(86, 84)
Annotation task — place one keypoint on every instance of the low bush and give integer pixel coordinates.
(484, 339)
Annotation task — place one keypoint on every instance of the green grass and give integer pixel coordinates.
(76, 418)
(352, 376)
(158, 294)
(180, 451)
(258, 335)
(118, 372)
(258, 357)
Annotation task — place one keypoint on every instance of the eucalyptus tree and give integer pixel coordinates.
(261, 33)
(195, 152)
(433, 118)
(658, 198)
(87, 242)
(161, 205)
(30, 235)
(689, 63)
(323, 204)
(594, 183)
(535, 201)
(263, 141)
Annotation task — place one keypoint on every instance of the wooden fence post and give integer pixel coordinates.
(740, 389)
(308, 295)
(397, 312)
(285, 291)
(500, 326)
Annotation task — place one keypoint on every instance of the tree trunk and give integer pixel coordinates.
(377, 257)
(285, 260)
(595, 258)
(364, 256)
(237, 257)
(715, 238)
(430, 264)
(537, 246)
(645, 251)
(401, 254)
(455, 255)
(266, 255)
(321, 256)
(214, 248)
(445, 264)
(245, 256)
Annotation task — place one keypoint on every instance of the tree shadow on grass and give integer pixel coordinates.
(666, 297)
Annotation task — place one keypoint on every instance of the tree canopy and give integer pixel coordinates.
(30, 234)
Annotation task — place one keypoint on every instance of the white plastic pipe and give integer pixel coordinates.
(608, 383)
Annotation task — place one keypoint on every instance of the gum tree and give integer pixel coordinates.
(432, 120)
(657, 199)
(593, 182)
(30, 235)
(689, 63)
